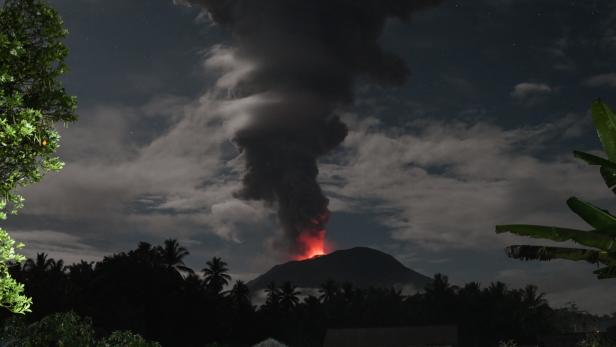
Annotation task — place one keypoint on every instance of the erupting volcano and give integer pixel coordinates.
(311, 240)
(290, 73)
(311, 245)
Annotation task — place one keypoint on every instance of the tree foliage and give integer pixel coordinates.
(216, 276)
(32, 101)
(601, 239)
(65, 329)
(138, 291)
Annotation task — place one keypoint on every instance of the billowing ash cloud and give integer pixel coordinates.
(303, 57)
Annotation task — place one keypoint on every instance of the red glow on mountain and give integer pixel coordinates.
(312, 244)
(311, 240)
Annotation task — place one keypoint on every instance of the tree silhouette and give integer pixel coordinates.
(57, 267)
(39, 266)
(240, 294)
(136, 291)
(147, 254)
(216, 276)
(532, 298)
(328, 291)
(172, 255)
(289, 296)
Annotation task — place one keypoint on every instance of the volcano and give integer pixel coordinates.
(361, 266)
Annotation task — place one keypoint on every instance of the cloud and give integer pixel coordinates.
(603, 80)
(162, 169)
(67, 247)
(445, 185)
(531, 94)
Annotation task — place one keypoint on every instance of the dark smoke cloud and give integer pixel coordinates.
(307, 54)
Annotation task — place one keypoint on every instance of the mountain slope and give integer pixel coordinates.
(363, 267)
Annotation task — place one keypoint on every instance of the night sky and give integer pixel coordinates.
(481, 134)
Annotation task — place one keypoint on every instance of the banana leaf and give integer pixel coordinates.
(608, 168)
(609, 177)
(543, 253)
(596, 217)
(585, 238)
(605, 122)
(594, 160)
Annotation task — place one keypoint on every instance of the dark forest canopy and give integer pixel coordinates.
(149, 291)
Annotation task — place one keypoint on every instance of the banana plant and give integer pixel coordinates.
(601, 239)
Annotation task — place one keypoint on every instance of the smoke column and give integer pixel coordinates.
(304, 58)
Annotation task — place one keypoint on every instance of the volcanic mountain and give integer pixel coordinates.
(363, 267)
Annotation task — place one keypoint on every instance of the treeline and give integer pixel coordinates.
(151, 292)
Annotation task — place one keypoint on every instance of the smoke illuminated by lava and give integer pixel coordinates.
(311, 239)
(311, 245)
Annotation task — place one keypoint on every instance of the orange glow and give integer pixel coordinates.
(312, 244)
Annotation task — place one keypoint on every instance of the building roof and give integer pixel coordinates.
(393, 337)
(270, 343)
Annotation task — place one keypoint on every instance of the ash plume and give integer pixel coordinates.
(303, 57)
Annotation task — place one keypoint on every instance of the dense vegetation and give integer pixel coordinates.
(150, 291)
(32, 101)
(64, 329)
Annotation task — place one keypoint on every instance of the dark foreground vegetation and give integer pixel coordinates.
(150, 292)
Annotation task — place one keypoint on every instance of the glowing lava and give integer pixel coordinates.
(312, 244)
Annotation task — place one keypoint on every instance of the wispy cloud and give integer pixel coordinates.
(530, 94)
(603, 80)
(445, 185)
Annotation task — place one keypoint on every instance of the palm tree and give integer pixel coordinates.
(172, 255)
(348, 292)
(80, 275)
(240, 294)
(533, 299)
(471, 290)
(40, 265)
(328, 291)
(440, 287)
(216, 276)
(273, 294)
(57, 266)
(497, 290)
(289, 296)
(147, 254)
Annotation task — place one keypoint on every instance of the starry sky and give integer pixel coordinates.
(481, 134)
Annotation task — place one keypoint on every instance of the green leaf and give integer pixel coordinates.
(609, 177)
(596, 217)
(605, 122)
(32, 99)
(594, 160)
(543, 253)
(585, 238)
